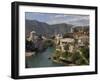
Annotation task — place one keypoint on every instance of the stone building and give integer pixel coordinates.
(61, 43)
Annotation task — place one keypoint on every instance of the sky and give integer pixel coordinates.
(53, 18)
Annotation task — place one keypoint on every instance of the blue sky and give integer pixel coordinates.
(52, 18)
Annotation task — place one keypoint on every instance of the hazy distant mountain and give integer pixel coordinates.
(42, 28)
(79, 28)
(61, 28)
(39, 27)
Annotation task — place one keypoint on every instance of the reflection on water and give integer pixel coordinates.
(42, 59)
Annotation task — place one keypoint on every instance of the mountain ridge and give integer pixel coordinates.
(43, 28)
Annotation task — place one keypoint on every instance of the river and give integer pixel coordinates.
(42, 59)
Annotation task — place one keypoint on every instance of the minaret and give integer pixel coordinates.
(71, 30)
(31, 36)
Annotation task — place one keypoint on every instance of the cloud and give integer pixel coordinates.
(72, 19)
(52, 18)
(60, 16)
